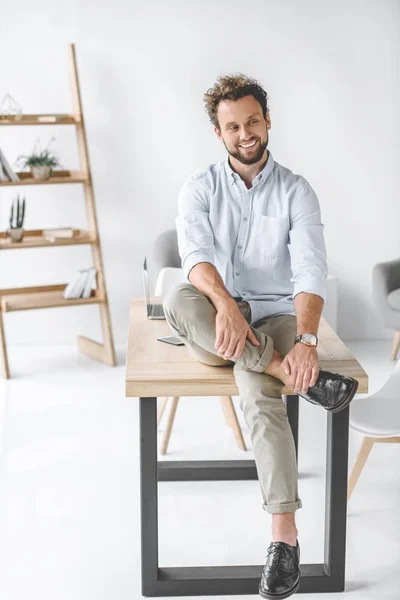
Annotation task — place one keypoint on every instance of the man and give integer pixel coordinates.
(252, 247)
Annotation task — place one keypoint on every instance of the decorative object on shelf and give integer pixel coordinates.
(6, 172)
(81, 286)
(17, 216)
(41, 162)
(60, 232)
(10, 110)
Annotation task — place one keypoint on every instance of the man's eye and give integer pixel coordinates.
(254, 122)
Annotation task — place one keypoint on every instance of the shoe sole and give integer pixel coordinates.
(347, 401)
(279, 596)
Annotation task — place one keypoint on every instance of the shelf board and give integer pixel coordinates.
(43, 119)
(34, 239)
(26, 178)
(48, 296)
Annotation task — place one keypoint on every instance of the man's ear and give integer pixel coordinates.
(218, 133)
(268, 120)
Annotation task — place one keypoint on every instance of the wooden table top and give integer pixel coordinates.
(155, 369)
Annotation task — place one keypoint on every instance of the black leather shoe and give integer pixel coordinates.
(280, 577)
(332, 391)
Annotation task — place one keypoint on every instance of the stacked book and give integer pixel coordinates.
(6, 172)
(82, 285)
(60, 232)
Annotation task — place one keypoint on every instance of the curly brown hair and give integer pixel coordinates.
(233, 87)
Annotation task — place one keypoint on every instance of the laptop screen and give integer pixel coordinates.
(146, 285)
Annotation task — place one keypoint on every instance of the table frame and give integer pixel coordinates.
(328, 576)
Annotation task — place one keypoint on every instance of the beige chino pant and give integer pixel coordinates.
(191, 317)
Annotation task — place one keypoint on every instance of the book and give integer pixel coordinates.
(76, 287)
(60, 232)
(6, 167)
(82, 285)
(47, 119)
(3, 174)
(90, 283)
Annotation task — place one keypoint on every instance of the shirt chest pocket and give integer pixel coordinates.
(272, 236)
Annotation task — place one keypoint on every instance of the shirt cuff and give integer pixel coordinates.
(311, 285)
(194, 259)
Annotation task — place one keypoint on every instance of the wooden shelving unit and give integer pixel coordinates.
(44, 119)
(51, 296)
(28, 179)
(34, 239)
(45, 296)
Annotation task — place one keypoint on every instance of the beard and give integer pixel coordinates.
(248, 158)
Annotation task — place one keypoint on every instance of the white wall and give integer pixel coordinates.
(330, 69)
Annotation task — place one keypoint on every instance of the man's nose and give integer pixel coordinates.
(245, 134)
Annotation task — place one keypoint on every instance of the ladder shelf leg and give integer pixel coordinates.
(4, 368)
(104, 352)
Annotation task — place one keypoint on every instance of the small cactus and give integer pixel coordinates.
(17, 213)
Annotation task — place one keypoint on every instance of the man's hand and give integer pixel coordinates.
(232, 330)
(302, 364)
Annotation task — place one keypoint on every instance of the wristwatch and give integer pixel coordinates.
(309, 339)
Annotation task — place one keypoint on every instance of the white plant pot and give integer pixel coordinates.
(41, 172)
(16, 234)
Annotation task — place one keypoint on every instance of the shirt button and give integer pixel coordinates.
(245, 219)
(239, 247)
(237, 273)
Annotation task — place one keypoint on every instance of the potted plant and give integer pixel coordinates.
(16, 232)
(40, 163)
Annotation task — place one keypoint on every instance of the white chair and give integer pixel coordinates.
(377, 418)
(167, 277)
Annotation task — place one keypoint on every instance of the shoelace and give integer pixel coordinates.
(276, 552)
(322, 383)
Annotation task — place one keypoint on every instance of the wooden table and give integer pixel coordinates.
(156, 369)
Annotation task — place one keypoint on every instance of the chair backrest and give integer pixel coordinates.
(385, 279)
(378, 415)
(392, 386)
(165, 250)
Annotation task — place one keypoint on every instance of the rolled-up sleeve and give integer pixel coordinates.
(195, 236)
(307, 244)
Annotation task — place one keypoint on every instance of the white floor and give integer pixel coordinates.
(69, 487)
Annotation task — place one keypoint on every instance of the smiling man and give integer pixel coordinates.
(253, 252)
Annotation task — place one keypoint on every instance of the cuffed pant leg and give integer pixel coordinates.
(272, 441)
(191, 317)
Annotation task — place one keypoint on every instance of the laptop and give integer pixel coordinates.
(154, 311)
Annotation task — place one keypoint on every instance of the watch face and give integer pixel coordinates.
(309, 338)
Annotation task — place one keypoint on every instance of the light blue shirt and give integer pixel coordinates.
(266, 242)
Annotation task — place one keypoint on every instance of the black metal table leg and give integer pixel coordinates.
(148, 494)
(337, 453)
(238, 579)
(292, 409)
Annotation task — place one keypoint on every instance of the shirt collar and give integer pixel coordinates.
(260, 178)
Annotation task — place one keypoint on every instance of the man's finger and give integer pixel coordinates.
(231, 349)
(315, 373)
(239, 349)
(219, 338)
(293, 378)
(285, 366)
(223, 342)
(306, 381)
(299, 381)
(252, 337)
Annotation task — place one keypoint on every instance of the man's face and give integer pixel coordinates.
(242, 122)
